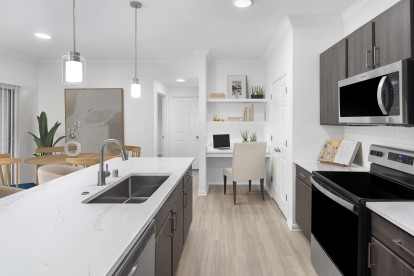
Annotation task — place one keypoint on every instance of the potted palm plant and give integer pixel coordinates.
(257, 92)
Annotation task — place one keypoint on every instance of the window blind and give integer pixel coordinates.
(8, 118)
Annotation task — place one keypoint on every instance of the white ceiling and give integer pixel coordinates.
(168, 29)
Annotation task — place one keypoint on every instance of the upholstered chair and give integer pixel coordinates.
(50, 172)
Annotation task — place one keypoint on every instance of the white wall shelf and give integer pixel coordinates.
(237, 100)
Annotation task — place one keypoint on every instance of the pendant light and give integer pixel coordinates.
(135, 85)
(73, 64)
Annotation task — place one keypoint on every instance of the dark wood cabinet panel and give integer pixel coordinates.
(303, 175)
(333, 68)
(360, 45)
(188, 207)
(163, 250)
(392, 35)
(303, 207)
(178, 229)
(385, 262)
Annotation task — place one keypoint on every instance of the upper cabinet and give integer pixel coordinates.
(332, 69)
(360, 45)
(393, 34)
(384, 40)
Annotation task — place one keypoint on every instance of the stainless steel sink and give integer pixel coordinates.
(134, 189)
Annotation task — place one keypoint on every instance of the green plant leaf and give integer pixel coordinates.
(49, 137)
(43, 125)
(60, 138)
(37, 140)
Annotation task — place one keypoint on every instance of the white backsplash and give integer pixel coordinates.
(398, 137)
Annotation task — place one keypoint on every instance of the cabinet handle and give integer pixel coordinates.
(172, 217)
(175, 224)
(367, 63)
(376, 64)
(369, 255)
(185, 199)
(301, 174)
(399, 244)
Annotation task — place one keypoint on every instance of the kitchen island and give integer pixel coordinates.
(47, 230)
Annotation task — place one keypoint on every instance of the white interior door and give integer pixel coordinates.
(280, 142)
(184, 128)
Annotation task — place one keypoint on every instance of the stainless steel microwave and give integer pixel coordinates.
(383, 96)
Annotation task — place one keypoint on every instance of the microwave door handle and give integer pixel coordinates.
(379, 95)
(335, 198)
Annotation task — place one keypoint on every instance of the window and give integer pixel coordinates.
(8, 118)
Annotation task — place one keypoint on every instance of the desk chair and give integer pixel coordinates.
(50, 172)
(248, 163)
(134, 150)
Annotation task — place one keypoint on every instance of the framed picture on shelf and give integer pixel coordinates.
(236, 87)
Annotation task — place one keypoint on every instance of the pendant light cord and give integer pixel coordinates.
(136, 59)
(74, 35)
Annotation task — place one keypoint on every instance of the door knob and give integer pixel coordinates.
(197, 137)
(277, 150)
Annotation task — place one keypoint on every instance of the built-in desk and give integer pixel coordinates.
(212, 152)
(216, 163)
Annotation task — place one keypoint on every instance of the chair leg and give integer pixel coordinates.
(262, 187)
(250, 185)
(234, 191)
(225, 183)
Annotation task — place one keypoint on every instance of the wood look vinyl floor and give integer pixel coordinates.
(251, 238)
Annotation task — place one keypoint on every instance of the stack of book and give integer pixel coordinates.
(248, 113)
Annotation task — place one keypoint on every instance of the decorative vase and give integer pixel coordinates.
(72, 153)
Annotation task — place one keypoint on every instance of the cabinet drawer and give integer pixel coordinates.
(393, 237)
(164, 211)
(303, 175)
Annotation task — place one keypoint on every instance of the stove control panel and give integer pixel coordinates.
(394, 158)
(401, 158)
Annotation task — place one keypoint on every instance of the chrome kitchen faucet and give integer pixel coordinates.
(103, 174)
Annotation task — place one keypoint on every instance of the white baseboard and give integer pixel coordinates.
(294, 227)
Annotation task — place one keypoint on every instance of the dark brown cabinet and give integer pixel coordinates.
(172, 224)
(391, 250)
(177, 213)
(393, 34)
(163, 249)
(188, 207)
(385, 262)
(332, 69)
(360, 45)
(303, 201)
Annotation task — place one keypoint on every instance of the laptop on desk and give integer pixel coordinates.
(221, 141)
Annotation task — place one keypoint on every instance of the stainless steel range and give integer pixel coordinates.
(340, 219)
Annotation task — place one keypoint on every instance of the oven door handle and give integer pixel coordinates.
(379, 96)
(335, 198)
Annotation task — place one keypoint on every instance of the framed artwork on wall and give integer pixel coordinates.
(236, 87)
(100, 113)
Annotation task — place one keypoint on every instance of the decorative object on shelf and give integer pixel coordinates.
(258, 92)
(245, 135)
(71, 134)
(236, 87)
(100, 112)
(248, 113)
(135, 85)
(234, 119)
(253, 137)
(74, 65)
(339, 152)
(46, 136)
(216, 118)
(216, 95)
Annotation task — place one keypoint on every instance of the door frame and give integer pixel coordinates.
(165, 122)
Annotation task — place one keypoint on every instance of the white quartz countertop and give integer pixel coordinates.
(398, 213)
(311, 166)
(47, 230)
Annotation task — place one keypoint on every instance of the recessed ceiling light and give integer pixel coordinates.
(243, 3)
(42, 36)
(180, 80)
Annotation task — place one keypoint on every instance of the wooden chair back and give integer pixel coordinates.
(133, 151)
(52, 150)
(6, 165)
(4, 155)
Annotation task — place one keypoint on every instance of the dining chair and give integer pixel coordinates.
(49, 172)
(49, 151)
(4, 155)
(6, 191)
(134, 151)
(248, 163)
(7, 178)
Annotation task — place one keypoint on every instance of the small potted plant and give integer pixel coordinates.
(253, 137)
(245, 135)
(257, 92)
